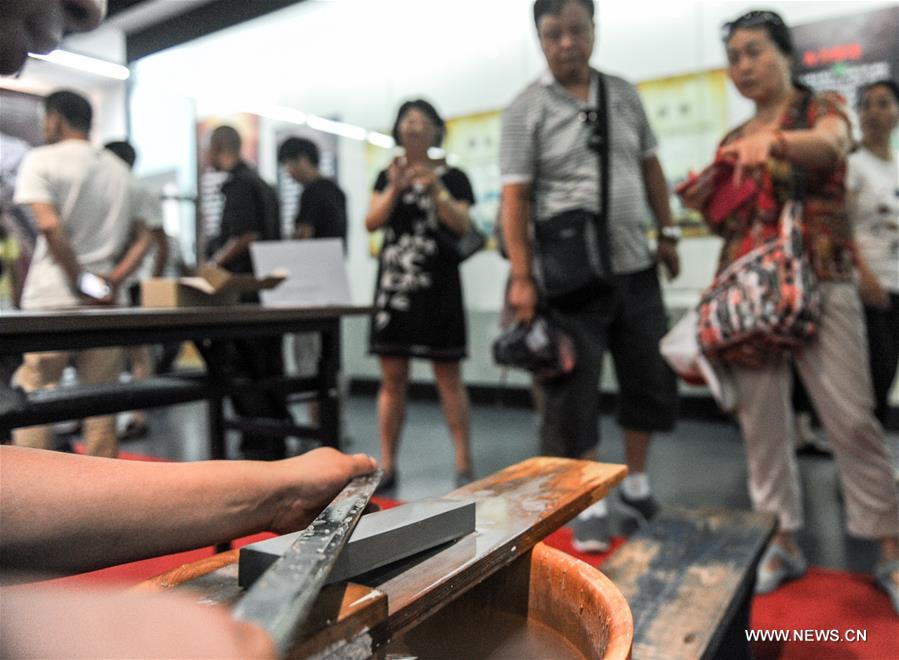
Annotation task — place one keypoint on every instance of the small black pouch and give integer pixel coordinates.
(568, 256)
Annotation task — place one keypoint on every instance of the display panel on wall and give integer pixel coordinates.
(846, 53)
(688, 115)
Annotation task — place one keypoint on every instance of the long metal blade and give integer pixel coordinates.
(281, 599)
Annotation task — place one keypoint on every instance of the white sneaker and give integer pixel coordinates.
(591, 534)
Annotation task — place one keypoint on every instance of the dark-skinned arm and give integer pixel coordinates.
(515, 219)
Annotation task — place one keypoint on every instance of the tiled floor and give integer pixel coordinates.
(700, 464)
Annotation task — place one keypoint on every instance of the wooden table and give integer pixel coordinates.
(91, 327)
(497, 567)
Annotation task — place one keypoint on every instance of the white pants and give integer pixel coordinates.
(834, 368)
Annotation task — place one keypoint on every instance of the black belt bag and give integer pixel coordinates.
(568, 253)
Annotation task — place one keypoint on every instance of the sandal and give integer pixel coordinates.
(791, 567)
(883, 579)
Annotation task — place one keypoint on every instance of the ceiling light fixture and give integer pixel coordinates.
(291, 116)
(84, 63)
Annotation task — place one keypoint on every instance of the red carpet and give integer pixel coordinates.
(824, 602)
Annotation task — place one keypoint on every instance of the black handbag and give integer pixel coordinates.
(540, 347)
(458, 248)
(572, 248)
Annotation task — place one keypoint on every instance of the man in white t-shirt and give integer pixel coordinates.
(872, 179)
(82, 200)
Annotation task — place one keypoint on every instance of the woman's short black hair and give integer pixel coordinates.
(770, 21)
(72, 107)
(554, 8)
(886, 82)
(429, 111)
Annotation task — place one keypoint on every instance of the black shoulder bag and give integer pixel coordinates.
(459, 247)
(571, 249)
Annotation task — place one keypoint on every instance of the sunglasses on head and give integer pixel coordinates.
(750, 19)
(590, 116)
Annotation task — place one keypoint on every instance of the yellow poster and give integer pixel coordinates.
(688, 115)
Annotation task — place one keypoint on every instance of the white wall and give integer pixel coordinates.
(358, 59)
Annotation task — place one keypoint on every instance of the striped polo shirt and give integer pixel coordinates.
(543, 141)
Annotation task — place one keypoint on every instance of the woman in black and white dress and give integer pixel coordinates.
(420, 203)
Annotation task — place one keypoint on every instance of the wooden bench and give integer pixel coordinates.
(688, 577)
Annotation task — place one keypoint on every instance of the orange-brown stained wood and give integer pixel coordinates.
(545, 604)
(188, 572)
(516, 508)
(580, 602)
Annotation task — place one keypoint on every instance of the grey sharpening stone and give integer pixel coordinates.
(379, 539)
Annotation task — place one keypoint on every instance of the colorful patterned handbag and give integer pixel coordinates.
(764, 303)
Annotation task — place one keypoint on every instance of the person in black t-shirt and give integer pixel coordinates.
(322, 214)
(250, 213)
(322, 204)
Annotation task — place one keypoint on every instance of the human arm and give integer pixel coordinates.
(386, 194)
(158, 236)
(657, 194)
(515, 219)
(233, 248)
(242, 218)
(872, 293)
(132, 258)
(94, 623)
(820, 146)
(453, 212)
(58, 242)
(69, 513)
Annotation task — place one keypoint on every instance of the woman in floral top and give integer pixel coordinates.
(833, 364)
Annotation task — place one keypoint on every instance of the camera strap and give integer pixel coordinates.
(603, 138)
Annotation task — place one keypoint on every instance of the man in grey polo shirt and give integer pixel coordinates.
(548, 167)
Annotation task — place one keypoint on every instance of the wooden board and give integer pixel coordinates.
(688, 576)
(516, 508)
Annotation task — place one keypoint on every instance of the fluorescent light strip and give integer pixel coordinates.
(381, 140)
(280, 113)
(84, 63)
(291, 116)
(337, 127)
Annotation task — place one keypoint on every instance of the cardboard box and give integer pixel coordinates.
(211, 286)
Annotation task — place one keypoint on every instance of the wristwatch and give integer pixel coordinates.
(670, 233)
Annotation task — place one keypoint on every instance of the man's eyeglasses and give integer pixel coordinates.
(750, 19)
(590, 116)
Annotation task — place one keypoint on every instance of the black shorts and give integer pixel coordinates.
(628, 320)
